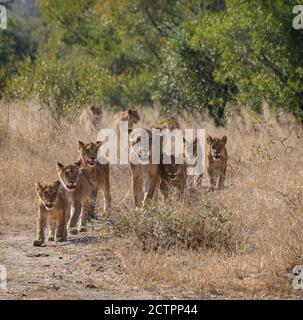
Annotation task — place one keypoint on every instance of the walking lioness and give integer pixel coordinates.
(98, 174)
(52, 208)
(76, 181)
(172, 174)
(145, 174)
(90, 120)
(217, 161)
(130, 115)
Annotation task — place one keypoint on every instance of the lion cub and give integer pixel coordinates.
(52, 208)
(98, 174)
(172, 175)
(217, 161)
(76, 181)
(90, 120)
(130, 115)
(145, 174)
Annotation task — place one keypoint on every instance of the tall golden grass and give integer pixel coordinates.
(261, 208)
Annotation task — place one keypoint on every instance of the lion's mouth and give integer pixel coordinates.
(173, 176)
(216, 156)
(71, 186)
(144, 156)
(91, 162)
(49, 206)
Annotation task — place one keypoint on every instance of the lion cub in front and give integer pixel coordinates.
(217, 161)
(52, 208)
(78, 185)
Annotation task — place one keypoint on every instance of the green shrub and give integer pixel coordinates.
(162, 225)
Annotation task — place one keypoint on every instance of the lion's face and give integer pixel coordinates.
(69, 175)
(48, 194)
(217, 147)
(88, 152)
(96, 114)
(133, 116)
(140, 142)
(173, 170)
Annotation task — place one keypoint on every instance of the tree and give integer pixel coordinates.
(258, 50)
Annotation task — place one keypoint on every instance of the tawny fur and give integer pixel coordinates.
(75, 180)
(53, 209)
(172, 175)
(171, 123)
(145, 177)
(90, 121)
(98, 174)
(217, 161)
(130, 115)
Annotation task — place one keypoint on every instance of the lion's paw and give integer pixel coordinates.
(83, 229)
(73, 230)
(38, 243)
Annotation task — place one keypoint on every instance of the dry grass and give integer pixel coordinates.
(254, 226)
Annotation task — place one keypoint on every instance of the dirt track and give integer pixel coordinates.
(82, 268)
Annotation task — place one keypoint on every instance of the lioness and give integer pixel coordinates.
(172, 174)
(76, 181)
(217, 161)
(98, 174)
(145, 175)
(90, 120)
(171, 122)
(52, 208)
(190, 156)
(130, 115)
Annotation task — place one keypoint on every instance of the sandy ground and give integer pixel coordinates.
(82, 268)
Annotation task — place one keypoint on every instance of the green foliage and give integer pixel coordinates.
(15, 44)
(187, 77)
(258, 50)
(163, 225)
(188, 55)
(63, 83)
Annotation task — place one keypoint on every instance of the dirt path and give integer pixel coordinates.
(82, 268)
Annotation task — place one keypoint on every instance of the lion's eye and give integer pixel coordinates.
(138, 139)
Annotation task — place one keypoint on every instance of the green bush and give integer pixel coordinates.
(163, 224)
(187, 77)
(187, 55)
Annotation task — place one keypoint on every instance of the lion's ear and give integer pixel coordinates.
(60, 166)
(98, 144)
(209, 140)
(224, 139)
(57, 183)
(80, 145)
(38, 187)
(78, 163)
